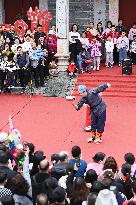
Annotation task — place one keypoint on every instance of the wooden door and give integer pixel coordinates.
(17, 9)
(127, 11)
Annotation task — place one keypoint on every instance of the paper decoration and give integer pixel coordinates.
(20, 28)
(34, 16)
(46, 17)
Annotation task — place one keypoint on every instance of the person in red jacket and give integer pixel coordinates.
(71, 68)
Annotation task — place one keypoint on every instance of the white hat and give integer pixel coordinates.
(19, 146)
(51, 32)
(3, 136)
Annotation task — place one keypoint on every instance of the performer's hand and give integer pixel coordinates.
(109, 85)
(75, 106)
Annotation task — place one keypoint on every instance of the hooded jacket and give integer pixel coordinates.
(106, 197)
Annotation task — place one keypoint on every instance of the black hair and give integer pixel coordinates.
(73, 26)
(107, 182)
(7, 200)
(3, 157)
(120, 19)
(99, 156)
(129, 158)
(31, 147)
(3, 177)
(59, 194)
(91, 176)
(63, 157)
(97, 187)
(109, 22)
(134, 186)
(126, 169)
(19, 47)
(91, 199)
(76, 151)
(55, 157)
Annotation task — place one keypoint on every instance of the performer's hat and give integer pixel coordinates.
(81, 88)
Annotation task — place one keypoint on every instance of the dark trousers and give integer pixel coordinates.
(2, 78)
(39, 75)
(115, 55)
(133, 57)
(23, 76)
(98, 121)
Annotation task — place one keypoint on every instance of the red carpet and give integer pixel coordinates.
(53, 125)
(122, 85)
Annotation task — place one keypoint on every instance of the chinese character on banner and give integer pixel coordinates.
(46, 17)
(20, 28)
(34, 16)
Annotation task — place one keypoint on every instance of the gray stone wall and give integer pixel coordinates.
(81, 12)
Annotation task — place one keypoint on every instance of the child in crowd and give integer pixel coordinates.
(109, 45)
(85, 61)
(71, 68)
(132, 32)
(133, 50)
(123, 47)
(96, 52)
(84, 40)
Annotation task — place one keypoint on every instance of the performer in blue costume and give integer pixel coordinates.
(97, 107)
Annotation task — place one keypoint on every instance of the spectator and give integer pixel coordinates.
(4, 191)
(110, 163)
(59, 169)
(40, 177)
(120, 26)
(80, 191)
(7, 200)
(38, 34)
(42, 199)
(90, 177)
(59, 196)
(81, 164)
(133, 200)
(97, 163)
(132, 32)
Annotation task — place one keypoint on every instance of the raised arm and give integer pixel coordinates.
(101, 88)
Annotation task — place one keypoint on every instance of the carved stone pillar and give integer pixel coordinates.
(62, 26)
(2, 12)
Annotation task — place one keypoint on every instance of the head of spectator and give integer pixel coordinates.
(12, 28)
(3, 28)
(28, 38)
(129, 158)
(134, 38)
(80, 191)
(3, 178)
(83, 35)
(63, 156)
(99, 27)
(74, 28)
(17, 41)
(41, 39)
(126, 170)
(91, 25)
(7, 47)
(42, 199)
(53, 28)
(90, 177)
(76, 152)
(33, 44)
(48, 186)
(134, 25)
(8, 40)
(109, 24)
(91, 199)
(120, 22)
(99, 157)
(107, 182)
(38, 157)
(20, 50)
(123, 33)
(39, 28)
(97, 187)
(113, 28)
(55, 158)
(3, 158)
(44, 166)
(19, 185)
(4, 139)
(7, 200)
(59, 195)
(110, 163)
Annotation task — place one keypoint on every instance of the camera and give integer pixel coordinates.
(77, 162)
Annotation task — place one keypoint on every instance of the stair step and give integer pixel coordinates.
(105, 75)
(116, 94)
(82, 80)
(120, 90)
(115, 84)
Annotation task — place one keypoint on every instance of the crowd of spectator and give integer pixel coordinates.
(27, 177)
(110, 45)
(22, 60)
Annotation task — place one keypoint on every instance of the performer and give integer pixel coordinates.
(97, 107)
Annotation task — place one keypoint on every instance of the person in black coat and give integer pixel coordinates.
(97, 107)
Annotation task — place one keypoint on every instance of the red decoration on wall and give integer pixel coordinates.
(34, 16)
(20, 28)
(46, 17)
